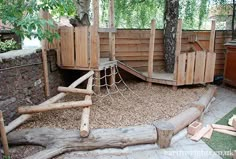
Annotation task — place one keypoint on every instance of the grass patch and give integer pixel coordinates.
(223, 142)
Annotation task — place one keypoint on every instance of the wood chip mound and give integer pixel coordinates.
(142, 105)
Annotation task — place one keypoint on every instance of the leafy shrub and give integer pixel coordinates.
(8, 45)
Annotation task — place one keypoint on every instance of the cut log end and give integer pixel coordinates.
(165, 131)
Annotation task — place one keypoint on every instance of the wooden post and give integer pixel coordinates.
(178, 46)
(165, 131)
(84, 127)
(151, 49)
(97, 82)
(45, 15)
(112, 40)
(212, 36)
(95, 40)
(4, 136)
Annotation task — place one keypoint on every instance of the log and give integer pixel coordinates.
(4, 136)
(57, 142)
(54, 106)
(74, 90)
(202, 103)
(185, 118)
(165, 131)
(188, 116)
(21, 119)
(84, 126)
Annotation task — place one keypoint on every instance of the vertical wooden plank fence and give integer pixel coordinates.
(190, 68)
(181, 69)
(81, 46)
(199, 67)
(67, 46)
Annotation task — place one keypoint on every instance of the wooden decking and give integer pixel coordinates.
(161, 78)
(104, 63)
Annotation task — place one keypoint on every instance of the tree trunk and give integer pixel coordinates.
(82, 11)
(170, 29)
(233, 21)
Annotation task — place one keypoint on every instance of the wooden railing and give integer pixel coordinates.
(195, 68)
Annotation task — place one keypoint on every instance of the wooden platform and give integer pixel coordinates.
(104, 63)
(161, 78)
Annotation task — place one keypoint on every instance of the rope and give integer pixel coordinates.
(113, 85)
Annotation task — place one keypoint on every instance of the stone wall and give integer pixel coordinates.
(22, 81)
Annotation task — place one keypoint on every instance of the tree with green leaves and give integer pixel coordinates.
(23, 15)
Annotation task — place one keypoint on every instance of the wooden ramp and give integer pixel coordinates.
(161, 78)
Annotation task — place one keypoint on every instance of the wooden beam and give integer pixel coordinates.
(21, 119)
(212, 36)
(54, 106)
(96, 14)
(151, 48)
(74, 90)
(107, 30)
(178, 46)
(112, 39)
(4, 137)
(84, 126)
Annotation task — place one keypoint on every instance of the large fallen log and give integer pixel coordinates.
(185, 118)
(21, 119)
(58, 141)
(54, 106)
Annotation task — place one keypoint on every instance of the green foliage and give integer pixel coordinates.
(6, 157)
(23, 15)
(8, 45)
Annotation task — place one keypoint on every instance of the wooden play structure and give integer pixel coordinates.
(196, 67)
(94, 48)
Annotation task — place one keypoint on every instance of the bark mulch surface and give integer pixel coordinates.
(142, 105)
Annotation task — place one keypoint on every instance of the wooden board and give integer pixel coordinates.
(95, 48)
(210, 67)
(67, 46)
(199, 67)
(81, 46)
(181, 65)
(190, 68)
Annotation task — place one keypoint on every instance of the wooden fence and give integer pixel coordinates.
(195, 68)
(132, 47)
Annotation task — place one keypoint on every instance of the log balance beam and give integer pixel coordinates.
(56, 140)
(21, 119)
(74, 90)
(54, 106)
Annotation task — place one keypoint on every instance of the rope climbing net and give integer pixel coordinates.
(111, 88)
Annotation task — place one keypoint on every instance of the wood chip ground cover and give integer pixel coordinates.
(142, 106)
